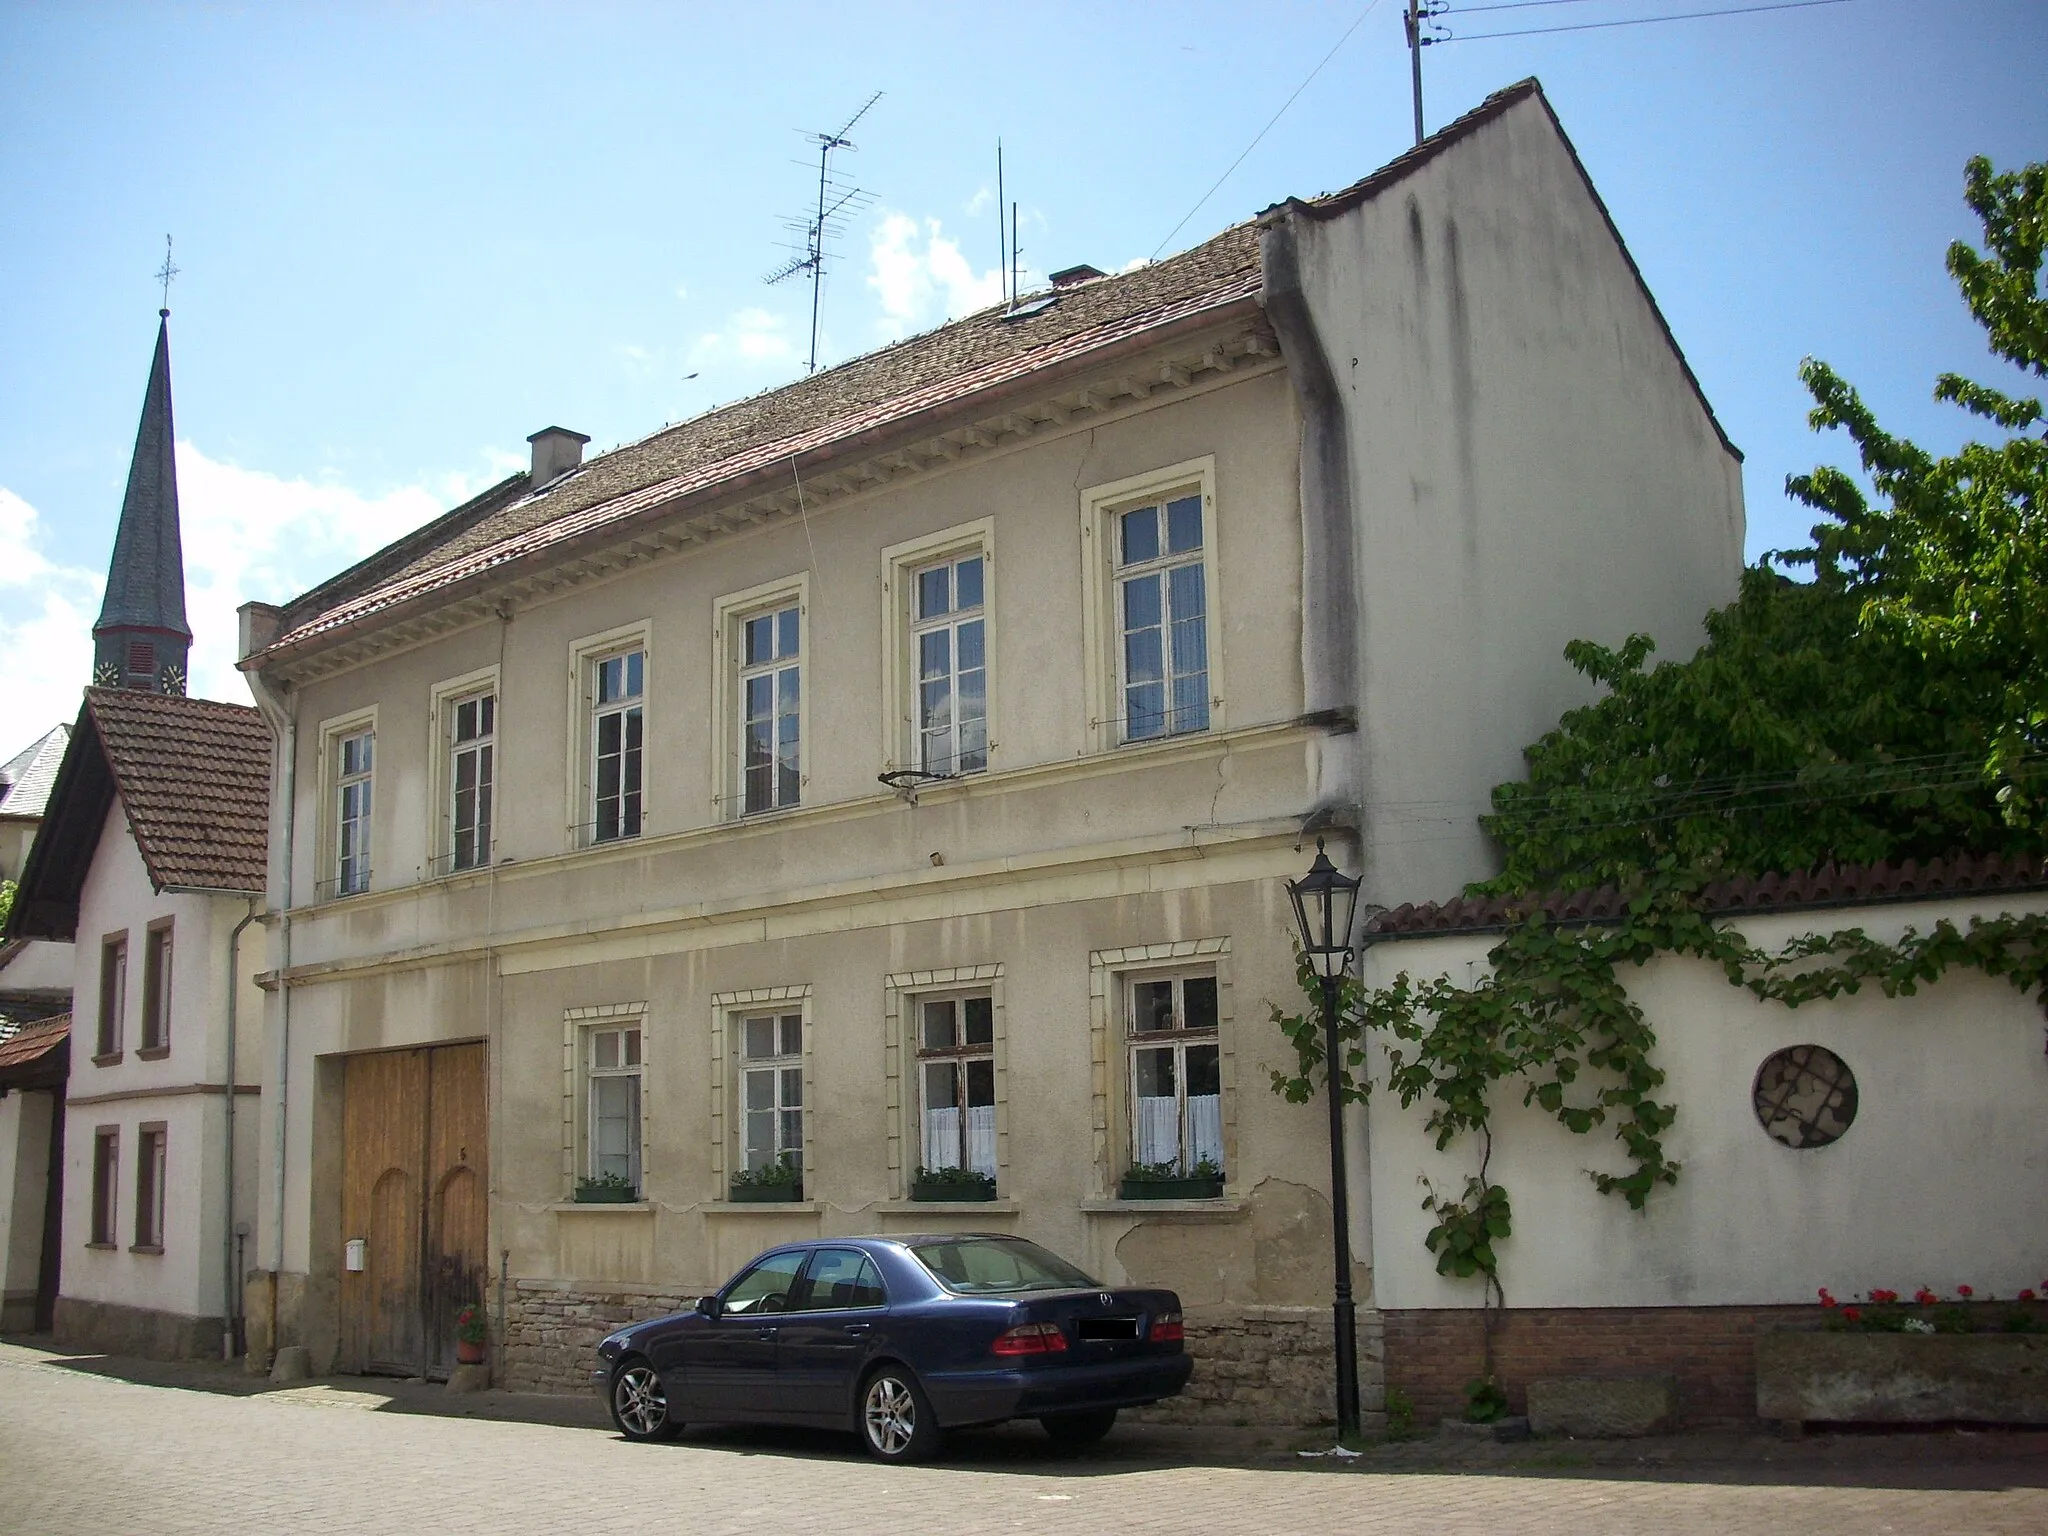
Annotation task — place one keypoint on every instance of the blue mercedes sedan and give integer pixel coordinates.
(900, 1339)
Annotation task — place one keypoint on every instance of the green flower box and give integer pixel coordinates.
(588, 1193)
(1172, 1189)
(765, 1194)
(934, 1191)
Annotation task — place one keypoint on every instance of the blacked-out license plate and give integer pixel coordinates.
(1106, 1327)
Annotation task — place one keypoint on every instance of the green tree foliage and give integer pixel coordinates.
(1894, 706)
(6, 901)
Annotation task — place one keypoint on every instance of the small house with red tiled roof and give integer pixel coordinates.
(148, 867)
(881, 791)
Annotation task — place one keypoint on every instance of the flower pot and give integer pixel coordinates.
(1171, 1189)
(468, 1352)
(605, 1194)
(761, 1194)
(923, 1190)
(1902, 1378)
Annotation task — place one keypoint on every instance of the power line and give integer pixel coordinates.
(1524, 5)
(1374, 5)
(1638, 21)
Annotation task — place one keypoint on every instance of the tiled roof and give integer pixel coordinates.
(25, 780)
(857, 401)
(1831, 885)
(32, 1042)
(195, 778)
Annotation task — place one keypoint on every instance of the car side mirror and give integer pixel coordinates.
(707, 1306)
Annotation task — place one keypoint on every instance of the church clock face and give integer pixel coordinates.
(107, 675)
(173, 680)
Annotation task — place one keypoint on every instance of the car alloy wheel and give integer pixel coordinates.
(895, 1419)
(640, 1403)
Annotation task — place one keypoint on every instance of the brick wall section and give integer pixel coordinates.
(1431, 1355)
(1253, 1365)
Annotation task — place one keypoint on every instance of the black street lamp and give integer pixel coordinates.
(1324, 902)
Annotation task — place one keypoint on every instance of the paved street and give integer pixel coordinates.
(85, 1450)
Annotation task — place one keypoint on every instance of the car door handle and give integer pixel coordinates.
(858, 1327)
(766, 1333)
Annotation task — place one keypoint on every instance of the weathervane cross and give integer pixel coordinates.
(164, 274)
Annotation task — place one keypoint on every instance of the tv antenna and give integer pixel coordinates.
(838, 201)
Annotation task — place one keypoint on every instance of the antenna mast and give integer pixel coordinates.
(838, 200)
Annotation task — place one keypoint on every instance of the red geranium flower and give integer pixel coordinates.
(1925, 1297)
(1825, 1299)
(1851, 1315)
(1884, 1298)
(1965, 1292)
(2027, 1295)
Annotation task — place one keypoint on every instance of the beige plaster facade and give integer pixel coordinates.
(1077, 867)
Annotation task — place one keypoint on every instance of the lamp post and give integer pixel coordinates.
(1324, 902)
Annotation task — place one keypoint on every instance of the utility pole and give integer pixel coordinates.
(1412, 20)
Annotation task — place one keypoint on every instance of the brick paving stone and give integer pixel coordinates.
(86, 1451)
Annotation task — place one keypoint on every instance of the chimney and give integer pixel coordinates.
(1073, 277)
(556, 451)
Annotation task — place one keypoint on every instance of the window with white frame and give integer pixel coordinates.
(771, 1088)
(472, 778)
(354, 765)
(949, 646)
(771, 709)
(956, 1077)
(617, 727)
(1162, 612)
(612, 1123)
(1175, 1058)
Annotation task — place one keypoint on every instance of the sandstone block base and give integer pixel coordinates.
(469, 1378)
(1902, 1378)
(1593, 1408)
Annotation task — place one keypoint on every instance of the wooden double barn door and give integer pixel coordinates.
(414, 1176)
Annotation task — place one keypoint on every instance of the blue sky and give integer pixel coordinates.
(412, 234)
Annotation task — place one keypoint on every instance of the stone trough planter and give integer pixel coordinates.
(1902, 1378)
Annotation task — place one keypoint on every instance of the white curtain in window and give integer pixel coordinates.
(942, 1137)
(1205, 1128)
(1159, 1130)
(615, 1127)
(981, 1139)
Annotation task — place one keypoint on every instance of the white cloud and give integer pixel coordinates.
(752, 337)
(46, 614)
(247, 535)
(921, 277)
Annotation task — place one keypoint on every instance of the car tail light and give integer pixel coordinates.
(1031, 1339)
(1166, 1329)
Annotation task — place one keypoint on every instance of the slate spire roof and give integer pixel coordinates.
(146, 579)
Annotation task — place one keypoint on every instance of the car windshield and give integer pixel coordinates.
(974, 1265)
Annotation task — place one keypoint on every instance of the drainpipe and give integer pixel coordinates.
(230, 1296)
(1330, 603)
(284, 725)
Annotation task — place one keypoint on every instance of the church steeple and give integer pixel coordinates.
(141, 639)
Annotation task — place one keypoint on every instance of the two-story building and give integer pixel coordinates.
(898, 774)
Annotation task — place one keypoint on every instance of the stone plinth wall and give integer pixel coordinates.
(1903, 1378)
(1710, 1351)
(112, 1328)
(552, 1332)
(1253, 1365)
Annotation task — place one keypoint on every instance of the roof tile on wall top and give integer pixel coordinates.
(1830, 885)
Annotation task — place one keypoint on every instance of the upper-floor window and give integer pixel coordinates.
(113, 995)
(355, 763)
(1162, 609)
(617, 733)
(948, 638)
(156, 987)
(771, 709)
(472, 772)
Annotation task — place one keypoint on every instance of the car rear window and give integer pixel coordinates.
(974, 1266)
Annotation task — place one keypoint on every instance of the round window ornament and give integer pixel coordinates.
(1805, 1096)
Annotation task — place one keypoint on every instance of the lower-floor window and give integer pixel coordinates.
(106, 1163)
(149, 1187)
(1176, 1074)
(957, 1082)
(772, 1090)
(614, 1125)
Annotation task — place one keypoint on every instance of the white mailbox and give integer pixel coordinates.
(352, 1255)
